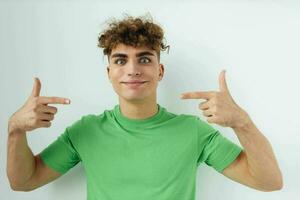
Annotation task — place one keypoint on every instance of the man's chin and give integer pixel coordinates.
(133, 99)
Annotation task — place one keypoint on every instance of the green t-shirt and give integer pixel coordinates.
(154, 158)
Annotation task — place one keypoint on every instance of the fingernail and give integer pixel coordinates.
(67, 101)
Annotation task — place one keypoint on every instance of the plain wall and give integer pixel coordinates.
(257, 42)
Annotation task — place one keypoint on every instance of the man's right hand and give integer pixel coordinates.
(35, 113)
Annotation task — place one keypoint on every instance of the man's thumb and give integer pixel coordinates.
(36, 87)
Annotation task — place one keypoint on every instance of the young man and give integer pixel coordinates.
(138, 149)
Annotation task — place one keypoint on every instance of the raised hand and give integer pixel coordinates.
(35, 113)
(219, 107)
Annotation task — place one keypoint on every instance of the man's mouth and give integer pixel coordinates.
(134, 83)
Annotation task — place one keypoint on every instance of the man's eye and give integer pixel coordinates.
(145, 60)
(119, 61)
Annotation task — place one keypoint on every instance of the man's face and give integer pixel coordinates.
(134, 72)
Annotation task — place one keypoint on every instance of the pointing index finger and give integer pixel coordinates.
(54, 100)
(196, 95)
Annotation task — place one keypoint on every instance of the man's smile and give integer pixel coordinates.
(134, 84)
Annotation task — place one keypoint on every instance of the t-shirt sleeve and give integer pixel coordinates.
(60, 155)
(214, 149)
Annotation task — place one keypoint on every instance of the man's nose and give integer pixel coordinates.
(133, 69)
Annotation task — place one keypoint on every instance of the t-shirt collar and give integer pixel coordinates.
(142, 123)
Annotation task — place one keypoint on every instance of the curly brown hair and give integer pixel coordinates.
(136, 32)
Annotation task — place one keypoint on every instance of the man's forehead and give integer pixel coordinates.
(127, 49)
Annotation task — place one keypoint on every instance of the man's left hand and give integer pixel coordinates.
(219, 107)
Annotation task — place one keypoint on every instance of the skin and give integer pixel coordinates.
(126, 64)
(25, 171)
(255, 167)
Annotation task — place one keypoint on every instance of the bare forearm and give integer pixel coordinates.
(20, 159)
(262, 163)
(24, 170)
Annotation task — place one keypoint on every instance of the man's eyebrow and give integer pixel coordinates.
(119, 55)
(122, 55)
(144, 53)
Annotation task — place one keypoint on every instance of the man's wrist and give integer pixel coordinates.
(244, 124)
(13, 127)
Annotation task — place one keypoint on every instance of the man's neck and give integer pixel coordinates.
(140, 110)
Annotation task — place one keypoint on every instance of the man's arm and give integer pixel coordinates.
(256, 166)
(24, 170)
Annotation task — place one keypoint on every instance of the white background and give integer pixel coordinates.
(257, 42)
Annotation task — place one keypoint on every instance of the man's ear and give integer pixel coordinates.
(161, 71)
(107, 69)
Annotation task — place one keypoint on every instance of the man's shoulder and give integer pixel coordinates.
(90, 118)
(183, 117)
(194, 120)
(105, 113)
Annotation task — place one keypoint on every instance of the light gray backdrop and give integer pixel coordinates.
(256, 41)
